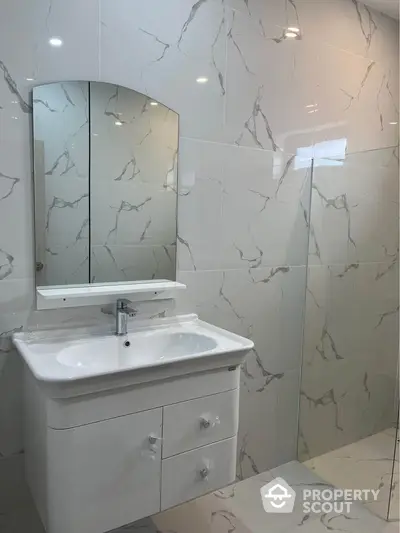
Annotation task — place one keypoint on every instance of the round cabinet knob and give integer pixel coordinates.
(204, 472)
(39, 266)
(205, 423)
(153, 443)
(209, 421)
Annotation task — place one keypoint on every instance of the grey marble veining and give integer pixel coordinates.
(349, 355)
(266, 306)
(351, 320)
(371, 463)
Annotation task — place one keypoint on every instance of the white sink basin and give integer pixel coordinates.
(145, 348)
(70, 362)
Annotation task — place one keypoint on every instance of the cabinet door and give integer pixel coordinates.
(104, 475)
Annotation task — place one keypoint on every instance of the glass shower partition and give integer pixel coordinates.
(348, 400)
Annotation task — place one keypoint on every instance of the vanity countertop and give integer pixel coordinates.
(150, 351)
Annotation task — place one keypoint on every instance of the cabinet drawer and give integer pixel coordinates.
(195, 423)
(192, 474)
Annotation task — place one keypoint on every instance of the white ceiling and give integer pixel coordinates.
(390, 7)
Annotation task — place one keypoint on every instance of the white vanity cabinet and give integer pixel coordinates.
(99, 461)
(105, 473)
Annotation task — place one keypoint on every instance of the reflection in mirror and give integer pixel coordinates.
(105, 166)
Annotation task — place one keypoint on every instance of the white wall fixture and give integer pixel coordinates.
(118, 429)
(57, 296)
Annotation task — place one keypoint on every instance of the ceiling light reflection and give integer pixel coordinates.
(55, 41)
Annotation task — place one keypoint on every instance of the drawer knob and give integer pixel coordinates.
(153, 442)
(205, 423)
(209, 421)
(204, 472)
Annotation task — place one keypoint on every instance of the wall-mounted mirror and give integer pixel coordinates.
(105, 169)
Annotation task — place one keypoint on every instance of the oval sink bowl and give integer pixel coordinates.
(74, 362)
(139, 349)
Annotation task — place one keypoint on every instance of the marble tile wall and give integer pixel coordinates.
(247, 138)
(351, 332)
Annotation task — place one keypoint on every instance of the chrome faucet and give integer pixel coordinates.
(123, 311)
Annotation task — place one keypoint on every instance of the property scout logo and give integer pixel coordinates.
(279, 497)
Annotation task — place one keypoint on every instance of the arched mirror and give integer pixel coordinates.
(105, 173)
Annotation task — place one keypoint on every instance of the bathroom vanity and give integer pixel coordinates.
(121, 424)
(120, 428)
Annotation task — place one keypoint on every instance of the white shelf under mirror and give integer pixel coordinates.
(57, 296)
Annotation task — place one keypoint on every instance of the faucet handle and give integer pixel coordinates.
(122, 303)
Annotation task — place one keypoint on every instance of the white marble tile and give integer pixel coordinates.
(65, 265)
(200, 237)
(235, 508)
(350, 313)
(33, 57)
(16, 245)
(142, 526)
(254, 115)
(25, 61)
(132, 213)
(350, 96)
(268, 424)
(265, 209)
(367, 463)
(354, 209)
(183, 42)
(115, 262)
(143, 137)
(65, 209)
(265, 305)
(61, 130)
(61, 167)
(272, 15)
(16, 299)
(357, 106)
(257, 207)
(209, 514)
(349, 355)
(245, 505)
(363, 31)
(133, 186)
